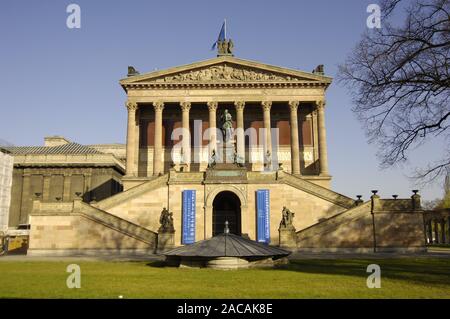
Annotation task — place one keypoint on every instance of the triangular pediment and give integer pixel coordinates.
(226, 69)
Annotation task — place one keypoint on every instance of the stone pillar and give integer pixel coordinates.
(137, 150)
(448, 229)
(66, 187)
(429, 231)
(158, 163)
(443, 237)
(186, 142)
(87, 187)
(46, 188)
(131, 139)
(240, 105)
(26, 199)
(266, 105)
(212, 107)
(295, 152)
(323, 157)
(436, 231)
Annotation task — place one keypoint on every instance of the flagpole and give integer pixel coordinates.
(225, 23)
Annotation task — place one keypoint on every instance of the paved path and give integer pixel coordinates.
(432, 253)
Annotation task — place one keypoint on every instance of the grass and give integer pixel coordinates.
(401, 278)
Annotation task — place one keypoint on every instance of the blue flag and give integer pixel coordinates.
(222, 34)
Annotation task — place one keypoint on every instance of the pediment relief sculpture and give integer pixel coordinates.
(226, 73)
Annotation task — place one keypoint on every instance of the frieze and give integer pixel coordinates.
(227, 73)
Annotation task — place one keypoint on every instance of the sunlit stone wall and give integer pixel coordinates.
(6, 170)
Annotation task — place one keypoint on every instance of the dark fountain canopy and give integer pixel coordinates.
(225, 251)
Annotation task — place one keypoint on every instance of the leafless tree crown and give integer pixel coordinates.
(400, 85)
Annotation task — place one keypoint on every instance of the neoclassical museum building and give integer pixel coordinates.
(224, 139)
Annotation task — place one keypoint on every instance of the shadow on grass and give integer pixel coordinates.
(158, 264)
(423, 271)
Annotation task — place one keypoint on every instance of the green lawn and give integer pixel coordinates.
(401, 278)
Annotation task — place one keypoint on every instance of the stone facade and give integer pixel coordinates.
(173, 145)
(6, 172)
(60, 171)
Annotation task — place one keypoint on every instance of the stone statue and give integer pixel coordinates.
(230, 47)
(227, 125)
(166, 221)
(268, 159)
(287, 218)
(212, 159)
(319, 69)
(132, 71)
(225, 47)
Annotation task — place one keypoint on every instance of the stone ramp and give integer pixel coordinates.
(114, 222)
(132, 192)
(330, 227)
(317, 190)
(74, 229)
(374, 226)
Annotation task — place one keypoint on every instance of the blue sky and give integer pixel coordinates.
(60, 81)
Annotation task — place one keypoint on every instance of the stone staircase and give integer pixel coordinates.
(132, 192)
(334, 222)
(111, 221)
(317, 190)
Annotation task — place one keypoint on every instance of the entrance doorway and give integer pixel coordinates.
(226, 207)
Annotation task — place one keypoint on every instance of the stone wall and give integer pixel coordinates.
(94, 183)
(144, 208)
(6, 173)
(362, 229)
(78, 228)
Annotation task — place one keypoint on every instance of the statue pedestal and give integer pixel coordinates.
(227, 152)
(166, 241)
(288, 238)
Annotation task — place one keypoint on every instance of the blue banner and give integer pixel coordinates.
(263, 215)
(188, 226)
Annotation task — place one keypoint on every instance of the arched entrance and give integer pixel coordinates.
(226, 206)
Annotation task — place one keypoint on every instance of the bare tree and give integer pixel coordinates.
(398, 77)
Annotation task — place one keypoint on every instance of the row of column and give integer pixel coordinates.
(437, 230)
(158, 161)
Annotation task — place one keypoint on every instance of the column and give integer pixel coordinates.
(87, 186)
(240, 105)
(323, 157)
(212, 107)
(131, 139)
(295, 152)
(136, 142)
(186, 142)
(436, 231)
(429, 227)
(443, 237)
(26, 199)
(66, 188)
(46, 188)
(266, 105)
(158, 163)
(448, 229)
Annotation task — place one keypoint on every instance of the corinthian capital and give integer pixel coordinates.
(158, 106)
(320, 104)
(266, 105)
(131, 106)
(185, 106)
(212, 106)
(294, 105)
(240, 105)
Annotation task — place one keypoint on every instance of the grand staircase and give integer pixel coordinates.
(114, 222)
